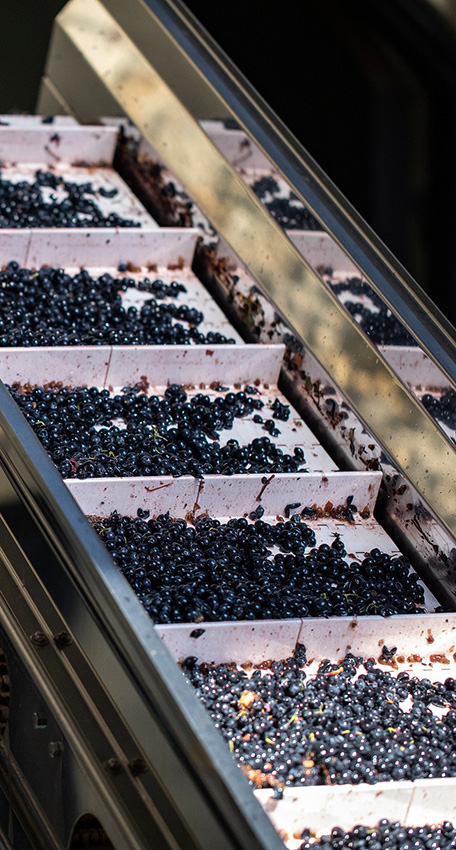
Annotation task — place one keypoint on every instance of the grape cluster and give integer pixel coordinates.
(213, 571)
(22, 204)
(387, 835)
(49, 307)
(381, 327)
(346, 725)
(288, 212)
(170, 435)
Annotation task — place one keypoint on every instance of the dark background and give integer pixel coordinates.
(26, 29)
(367, 86)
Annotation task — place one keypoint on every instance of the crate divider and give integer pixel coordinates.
(99, 247)
(47, 144)
(233, 495)
(156, 366)
(322, 807)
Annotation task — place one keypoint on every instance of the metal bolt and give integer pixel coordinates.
(113, 765)
(137, 766)
(55, 749)
(39, 639)
(63, 639)
(39, 720)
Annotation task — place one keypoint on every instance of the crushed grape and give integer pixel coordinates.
(171, 435)
(387, 835)
(215, 571)
(443, 407)
(380, 325)
(50, 307)
(289, 212)
(23, 204)
(349, 724)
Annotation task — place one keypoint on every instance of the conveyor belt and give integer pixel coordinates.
(177, 455)
(335, 505)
